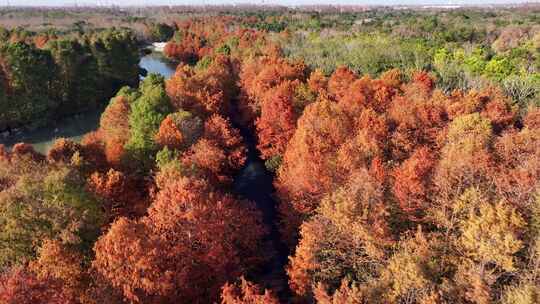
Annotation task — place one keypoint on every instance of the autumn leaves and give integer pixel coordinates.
(389, 190)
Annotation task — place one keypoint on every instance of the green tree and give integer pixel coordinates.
(44, 202)
(147, 113)
(159, 31)
(31, 74)
(78, 81)
(499, 68)
(117, 54)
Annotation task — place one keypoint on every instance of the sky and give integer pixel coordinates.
(279, 2)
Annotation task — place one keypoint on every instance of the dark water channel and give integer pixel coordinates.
(255, 183)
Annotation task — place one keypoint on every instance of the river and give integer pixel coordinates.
(77, 126)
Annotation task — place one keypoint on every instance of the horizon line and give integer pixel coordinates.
(434, 4)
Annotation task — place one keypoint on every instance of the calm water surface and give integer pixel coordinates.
(155, 62)
(76, 127)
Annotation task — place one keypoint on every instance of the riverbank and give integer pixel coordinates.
(75, 126)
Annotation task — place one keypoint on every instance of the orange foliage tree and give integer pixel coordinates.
(219, 131)
(258, 76)
(245, 292)
(179, 130)
(347, 238)
(192, 242)
(114, 128)
(276, 124)
(19, 285)
(412, 185)
(120, 194)
(203, 91)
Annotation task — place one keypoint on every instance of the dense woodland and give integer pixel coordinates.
(404, 147)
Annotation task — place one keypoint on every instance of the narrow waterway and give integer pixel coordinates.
(255, 183)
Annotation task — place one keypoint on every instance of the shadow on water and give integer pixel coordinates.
(255, 183)
(42, 139)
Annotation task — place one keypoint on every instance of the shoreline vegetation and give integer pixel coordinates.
(319, 155)
(9, 130)
(71, 125)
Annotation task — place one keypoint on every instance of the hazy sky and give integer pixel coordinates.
(282, 2)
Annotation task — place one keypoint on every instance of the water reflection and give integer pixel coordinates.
(42, 138)
(155, 62)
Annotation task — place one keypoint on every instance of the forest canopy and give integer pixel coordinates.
(374, 156)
